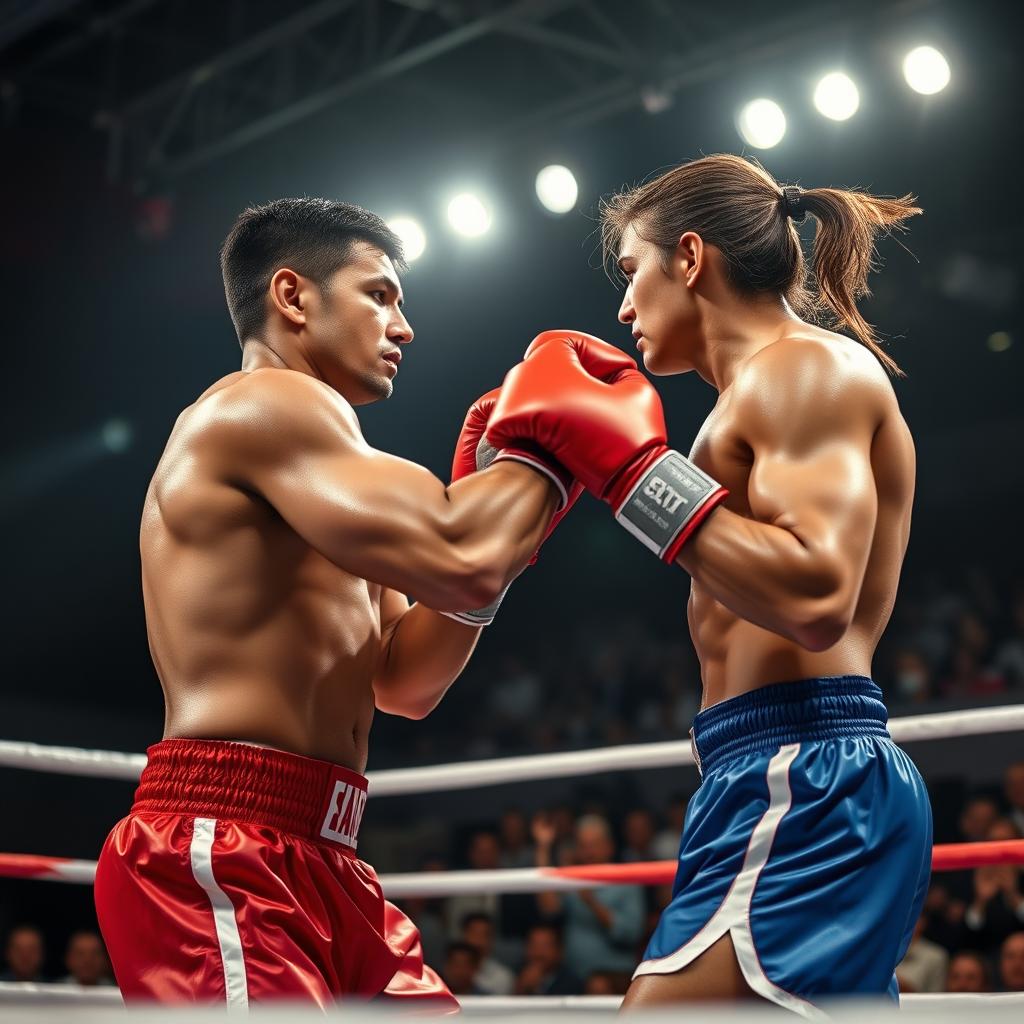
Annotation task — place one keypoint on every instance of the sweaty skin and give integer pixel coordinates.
(278, 546)
(795, 575)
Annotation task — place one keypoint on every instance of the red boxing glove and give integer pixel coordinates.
(472, 452)
(586, 403)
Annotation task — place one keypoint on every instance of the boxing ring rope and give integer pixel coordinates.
(472, 774)
(503, 770)
(949, 857)
(63, 995)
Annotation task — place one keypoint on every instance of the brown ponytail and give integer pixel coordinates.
(844, 253)
(735, 205)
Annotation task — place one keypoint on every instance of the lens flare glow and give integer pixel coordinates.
(414, 239)
(468, 215)
(836, 96)
(557, 189)
(926, 70)
(762, 123)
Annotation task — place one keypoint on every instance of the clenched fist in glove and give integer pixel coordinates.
(585, 403)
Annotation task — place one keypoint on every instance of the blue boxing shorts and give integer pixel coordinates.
(809, 842)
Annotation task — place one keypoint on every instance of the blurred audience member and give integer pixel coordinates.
(913, 676)
(544, 972)
(514, 833)
(492, 978)
(924, 967)
(601, 925)
(86, 960)
(980, 813)
(518, 911)
(429, 917)
(461, 963)
(1009, 656)
(1003, 830)
(997, 908)
(25, 953)
(563, 818)
(638, 836)
(666, 842)
(483, 853)
(1013, 787)
(1011, 963)
(944, 911)
(968, 677)
(968, 972)
(516, 695)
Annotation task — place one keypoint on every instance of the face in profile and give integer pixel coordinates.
(357, 328)
(658, 305)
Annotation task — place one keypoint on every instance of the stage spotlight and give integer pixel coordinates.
(762, 123)
(926, 70)
(557, 189)
(836, 96)
(414, 241)
(468, 215)
(116, 436)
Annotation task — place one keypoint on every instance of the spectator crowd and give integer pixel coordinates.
(969, 938)
(958, 640)
(952, 639)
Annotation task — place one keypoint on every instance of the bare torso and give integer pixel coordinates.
(255, 635)
(737, 656)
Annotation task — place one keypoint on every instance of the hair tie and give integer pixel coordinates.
(793, 203)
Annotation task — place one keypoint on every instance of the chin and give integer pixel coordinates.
(373, 387)
(659, 363)
(378, 387)
(653, 363)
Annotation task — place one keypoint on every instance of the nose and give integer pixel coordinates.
(400, 330)
(627, 314)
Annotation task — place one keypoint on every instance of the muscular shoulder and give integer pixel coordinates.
(269, 410)
(808, 388)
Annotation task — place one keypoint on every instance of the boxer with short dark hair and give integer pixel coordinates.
(277, 549)
(805, 854)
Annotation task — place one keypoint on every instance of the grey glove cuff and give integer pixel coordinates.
(666, 502)
(480, 616)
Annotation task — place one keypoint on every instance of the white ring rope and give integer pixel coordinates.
(29, 993)
(503, 770)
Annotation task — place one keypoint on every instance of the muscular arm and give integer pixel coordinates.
(290, 439)
(796, 566)
(423, 653)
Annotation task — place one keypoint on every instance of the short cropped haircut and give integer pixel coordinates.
(314, 237)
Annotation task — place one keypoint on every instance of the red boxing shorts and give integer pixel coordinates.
(235, 879)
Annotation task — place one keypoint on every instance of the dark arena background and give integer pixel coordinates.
(135, 131)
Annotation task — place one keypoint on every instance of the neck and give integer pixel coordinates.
(733, 332)
(261, 353)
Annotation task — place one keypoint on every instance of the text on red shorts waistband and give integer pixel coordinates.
(260, 785)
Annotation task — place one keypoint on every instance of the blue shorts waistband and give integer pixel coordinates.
(828, 708)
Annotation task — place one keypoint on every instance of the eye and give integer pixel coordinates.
(380, 296)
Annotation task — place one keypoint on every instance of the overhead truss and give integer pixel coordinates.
(176, 84)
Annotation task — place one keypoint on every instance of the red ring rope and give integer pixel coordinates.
(948, 857)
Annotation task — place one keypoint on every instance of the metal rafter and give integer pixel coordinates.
(320, 54)
(199, 83)
(791, 32)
